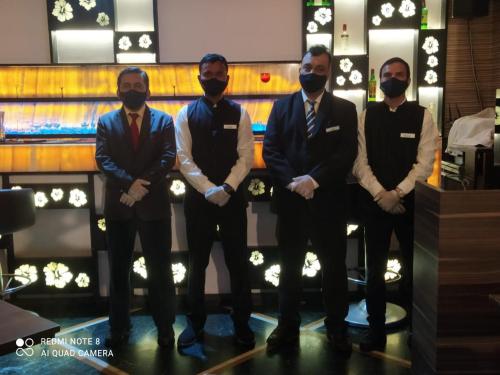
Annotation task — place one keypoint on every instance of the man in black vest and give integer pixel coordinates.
(135, 149)
(396, 147)
(309, 148)
(215, 149)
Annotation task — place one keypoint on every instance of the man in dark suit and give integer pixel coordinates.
(309, 148)
(135, 149)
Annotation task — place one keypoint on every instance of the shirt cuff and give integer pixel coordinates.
(406, 186)
(375, 188)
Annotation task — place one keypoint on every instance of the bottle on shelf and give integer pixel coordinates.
(313, 3)
(2, 127)
(344, 39)
(425, 16)
(372, 87)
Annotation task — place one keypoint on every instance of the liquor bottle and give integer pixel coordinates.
(2, 127)
(425, 16)
(344, 39)
(372, 87)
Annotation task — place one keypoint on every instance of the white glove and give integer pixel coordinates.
(217, 195)
(137, 190)
(127, 200)
(303, 185)
(387, 200)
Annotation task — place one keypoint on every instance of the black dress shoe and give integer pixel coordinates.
(282, 337)
(115, 339)
(373, 340)
(166, 340)
(340, 342)
(189, 337)
(244, 336)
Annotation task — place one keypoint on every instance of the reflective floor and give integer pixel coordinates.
(80, 350)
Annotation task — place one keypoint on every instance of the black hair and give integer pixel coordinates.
(395, 60)
(211, 58)
(319, 49)
(133, 70)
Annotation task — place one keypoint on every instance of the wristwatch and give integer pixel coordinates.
(227, 188)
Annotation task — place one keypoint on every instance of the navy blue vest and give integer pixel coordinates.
(392, 140)
(214, 133)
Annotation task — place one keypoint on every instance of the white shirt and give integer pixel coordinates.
(140, 112)
(429, 138)
(192, 172)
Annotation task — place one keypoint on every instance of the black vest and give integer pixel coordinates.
(392, 140)
(214, 134)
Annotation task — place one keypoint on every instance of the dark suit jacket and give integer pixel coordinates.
(153, 160)
(327, 156)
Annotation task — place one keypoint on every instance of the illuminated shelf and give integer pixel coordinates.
(93, 81)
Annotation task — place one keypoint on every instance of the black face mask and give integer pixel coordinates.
(213, 87)
(132, 99)
(312, 82)
(393, 87)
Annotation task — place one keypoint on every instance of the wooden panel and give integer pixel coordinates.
(459, 87)
(457, 268)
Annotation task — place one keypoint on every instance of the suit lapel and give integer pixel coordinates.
(147, 120)
(299, 115)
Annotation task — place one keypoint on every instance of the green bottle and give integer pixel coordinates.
(372, 87)
(425, 16)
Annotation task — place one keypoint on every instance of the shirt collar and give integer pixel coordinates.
(140, 111)
(305, 98)
(394, 109)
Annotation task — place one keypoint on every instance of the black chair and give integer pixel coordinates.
(17, 211)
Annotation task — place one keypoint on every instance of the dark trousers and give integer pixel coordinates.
(379, 226)
(202, 219)
(156, 244)
(329, 241)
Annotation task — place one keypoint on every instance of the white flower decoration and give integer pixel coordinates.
(345, 65)
(140, 267)
(124, 43)
(28, 271)
(351, 228)
(431, 45)
(355, 77)
(387, 9)
(101, 224)
(82, 280)
(376, 20)
(178, 187)
(256, 187)
(87, 4)
(40, 199)
(393, 268)
(272, 274)
(311, 265)
(340, 80)
(57, 274)
(432, 61)
(312, 27)
(407, 8)
(323, 16)
(62, 10)
(145, 41)
(431, 77)
(256, 258)
(77, 198)
(57, 194)
(179, 272)
(17, 187)
(102, 19)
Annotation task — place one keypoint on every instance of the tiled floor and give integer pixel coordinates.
(217, 355)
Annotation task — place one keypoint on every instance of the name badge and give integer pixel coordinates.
(332, 129)
(230, 126)
(407, 135)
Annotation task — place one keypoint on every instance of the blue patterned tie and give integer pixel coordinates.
(310, 119)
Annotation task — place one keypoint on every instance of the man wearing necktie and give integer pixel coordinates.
(135, 150)
(309, 148)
